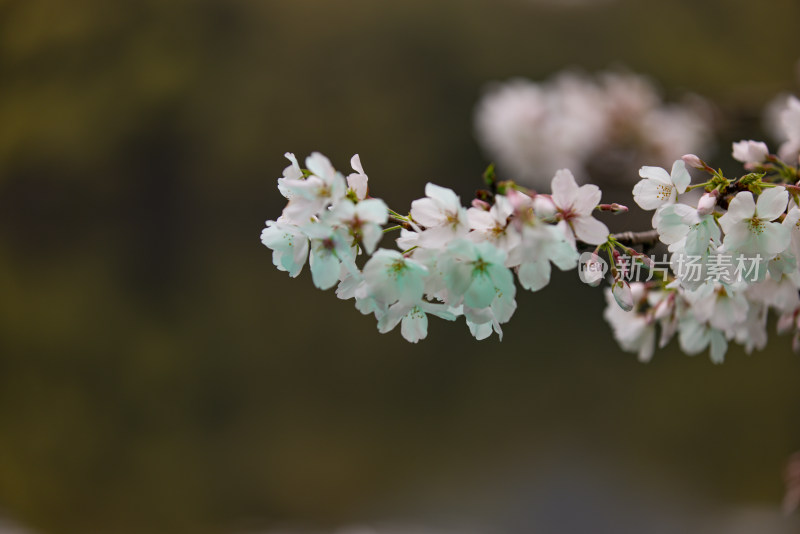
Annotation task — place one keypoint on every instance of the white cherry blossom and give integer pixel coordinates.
(686, 229)
(575, 206)
(442, 215)
(750, 152)
(634, 331)
(458, 262)
(364, 220)
(290, 173)
(694, 337)
(357, 181)
(391, 277)
(477, 272)
(309, 197)
(413, 319)
(749, 224)
(492, 225)
(289, 246)
(331, 248)
(659, 187)
(790, 122)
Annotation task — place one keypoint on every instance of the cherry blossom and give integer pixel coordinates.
(659, 187)
(441, 213)
(727, 261)
(750, 152)
(749, 224)
(575, 206)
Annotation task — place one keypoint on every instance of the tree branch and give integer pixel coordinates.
(637, 238)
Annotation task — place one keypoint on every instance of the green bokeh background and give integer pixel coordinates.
(157, 374)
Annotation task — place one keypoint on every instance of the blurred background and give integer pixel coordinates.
(158, 374)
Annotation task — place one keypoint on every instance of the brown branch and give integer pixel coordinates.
(637, 238)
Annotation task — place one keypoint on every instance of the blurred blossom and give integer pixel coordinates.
(606, 126)
(7, 527)
(782, 121)
(359, 529)
(791, 500)
(568, 3)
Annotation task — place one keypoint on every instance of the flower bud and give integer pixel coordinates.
(592, 269)
(621, 262)
(707, 203)
(693, 161)
(622, 294)
(544, 207)
(646, 260)
(481, 204)
(614, 208)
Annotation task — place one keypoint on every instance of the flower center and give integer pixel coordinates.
(479, 266)
(498, 231)
(452, 219)
(756, 225)
(396, 268)
(663, 192)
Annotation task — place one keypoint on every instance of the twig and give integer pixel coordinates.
(637, 238)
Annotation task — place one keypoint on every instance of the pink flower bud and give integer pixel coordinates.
(693, 161)
(481, 204)
(622, 294)
(646, 260)
(619, 208)
(707, 203)
(544, 207)
(519, 200)
(614, 208)
(592, 269)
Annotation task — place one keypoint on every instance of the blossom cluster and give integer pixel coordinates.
(454, 261)
(451, 261)
(753, 218)
(614, 120)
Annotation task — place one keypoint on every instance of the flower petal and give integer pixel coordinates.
(325, 268)
(590, 230)
(481, 291)
(373, 210)
(415, 325)
(427, 212)
(680, 176)
(589, 196)
(534, 275)
(774, 239)
(649, 194)
(444, 196)
(772, 203)
(355, 163)
(656, 173)
(320, 165)
(743, 206)
(565, 189)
